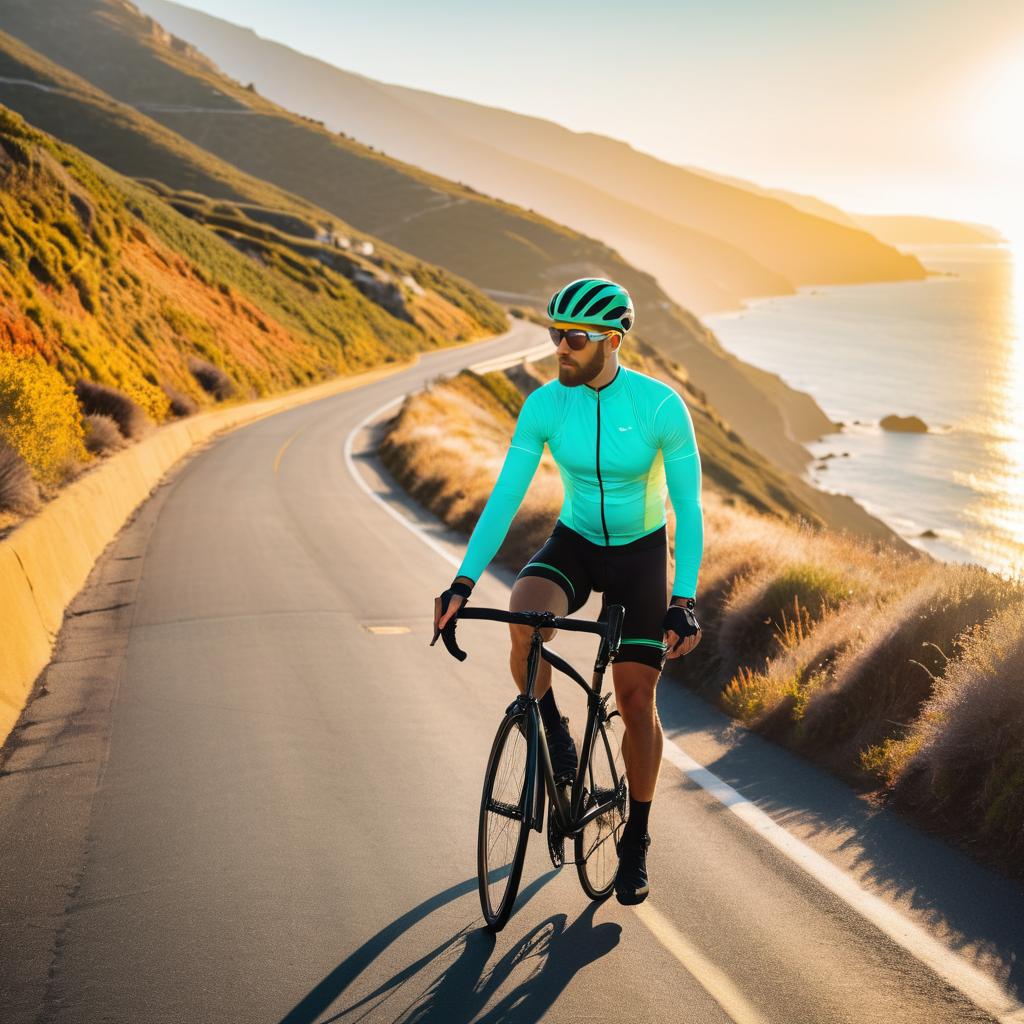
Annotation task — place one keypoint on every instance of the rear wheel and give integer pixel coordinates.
(505, 811)
(604, 779)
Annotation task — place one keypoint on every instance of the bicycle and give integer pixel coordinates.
(519, 775)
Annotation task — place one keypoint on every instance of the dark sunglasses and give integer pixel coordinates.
(576, 337)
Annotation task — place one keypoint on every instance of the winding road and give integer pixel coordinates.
(246, 790)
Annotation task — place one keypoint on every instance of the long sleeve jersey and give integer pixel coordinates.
(620, 450)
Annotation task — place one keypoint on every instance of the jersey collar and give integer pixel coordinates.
(612, 387)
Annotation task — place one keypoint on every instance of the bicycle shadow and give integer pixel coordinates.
(466, 984)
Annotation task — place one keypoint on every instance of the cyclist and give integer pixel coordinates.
(621, 440)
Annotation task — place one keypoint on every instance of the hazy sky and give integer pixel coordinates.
(878, 105)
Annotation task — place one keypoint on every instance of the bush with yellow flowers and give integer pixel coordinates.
(40, 417)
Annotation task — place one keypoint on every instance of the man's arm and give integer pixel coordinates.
(683, 476)
(518, 470)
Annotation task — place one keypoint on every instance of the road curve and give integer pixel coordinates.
(233, 800)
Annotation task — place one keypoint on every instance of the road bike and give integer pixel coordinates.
(518, 777)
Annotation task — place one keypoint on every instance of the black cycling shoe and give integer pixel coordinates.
(631, 885)
(563, 754)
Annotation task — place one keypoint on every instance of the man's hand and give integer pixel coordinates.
(672, 638)
(444, 614)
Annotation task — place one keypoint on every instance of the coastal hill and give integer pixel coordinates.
(710, 244)
(516, 254)
(894, 229)
(117, 287)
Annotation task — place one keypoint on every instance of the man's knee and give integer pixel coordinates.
(522, 635)
(634, 691)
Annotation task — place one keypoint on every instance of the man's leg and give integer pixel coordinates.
(533, 594)
(643, 740)
(536, 594)
(642, 743)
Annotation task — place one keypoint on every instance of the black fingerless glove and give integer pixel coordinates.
(462, 589)
(447, 634)
(681, 621)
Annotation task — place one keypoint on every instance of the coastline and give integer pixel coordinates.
(951, 463)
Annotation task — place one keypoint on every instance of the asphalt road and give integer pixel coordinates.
(233, 800)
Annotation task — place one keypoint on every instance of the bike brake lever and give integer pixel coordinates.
(448, 636)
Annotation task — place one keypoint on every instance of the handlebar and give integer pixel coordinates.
(609, 631)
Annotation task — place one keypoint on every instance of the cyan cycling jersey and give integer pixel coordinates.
(620, 449)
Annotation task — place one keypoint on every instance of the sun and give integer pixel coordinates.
(996, 108)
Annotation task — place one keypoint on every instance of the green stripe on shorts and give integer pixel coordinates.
(641, 640)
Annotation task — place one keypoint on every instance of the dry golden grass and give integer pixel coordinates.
(961, 768)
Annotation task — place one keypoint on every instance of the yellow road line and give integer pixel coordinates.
(714, 981)
(277, 461)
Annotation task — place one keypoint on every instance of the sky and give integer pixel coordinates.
(881, 106)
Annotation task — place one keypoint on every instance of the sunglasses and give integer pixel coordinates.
(576, 337)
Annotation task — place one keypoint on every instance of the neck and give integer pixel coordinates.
(607, 375)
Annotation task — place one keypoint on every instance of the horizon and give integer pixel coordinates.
(946, 146)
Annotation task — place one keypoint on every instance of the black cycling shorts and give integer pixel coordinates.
(633, 575)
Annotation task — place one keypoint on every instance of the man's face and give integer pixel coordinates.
(576, 368)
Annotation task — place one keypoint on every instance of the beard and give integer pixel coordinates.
(575, 375)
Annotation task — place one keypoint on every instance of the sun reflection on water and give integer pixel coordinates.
(1001, 515)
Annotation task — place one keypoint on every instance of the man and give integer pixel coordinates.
(620, 440)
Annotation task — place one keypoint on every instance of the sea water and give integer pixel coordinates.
(949, 349)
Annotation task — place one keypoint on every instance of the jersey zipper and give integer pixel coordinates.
(600, 482)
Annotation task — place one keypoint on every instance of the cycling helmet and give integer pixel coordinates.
(593, 300)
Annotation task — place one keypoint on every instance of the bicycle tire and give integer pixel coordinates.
(596, 854)
(506, 806)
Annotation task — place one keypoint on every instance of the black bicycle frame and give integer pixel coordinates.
(567, 813)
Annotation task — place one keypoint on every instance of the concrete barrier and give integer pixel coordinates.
(45, 561)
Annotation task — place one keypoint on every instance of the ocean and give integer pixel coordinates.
(950, 350)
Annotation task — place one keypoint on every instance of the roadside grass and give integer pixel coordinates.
(19, 492)
(102, 435)
(113, 404)
(961, 766)
(903, 675)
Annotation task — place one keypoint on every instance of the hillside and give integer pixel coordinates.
(893, 229)
(906, 230)
(518, 255)
(106, 281)
(697, 269)
(709, 245)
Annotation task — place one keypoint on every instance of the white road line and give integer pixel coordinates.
(981, 989)
(712, 979)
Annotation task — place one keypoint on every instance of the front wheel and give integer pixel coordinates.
(506, 808)
(603, 780)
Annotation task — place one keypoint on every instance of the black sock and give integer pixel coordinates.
(549, 712)
(636, 823)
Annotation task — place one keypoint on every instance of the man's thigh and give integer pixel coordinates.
(535, 594)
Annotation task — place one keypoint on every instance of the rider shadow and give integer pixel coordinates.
(466, 984)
